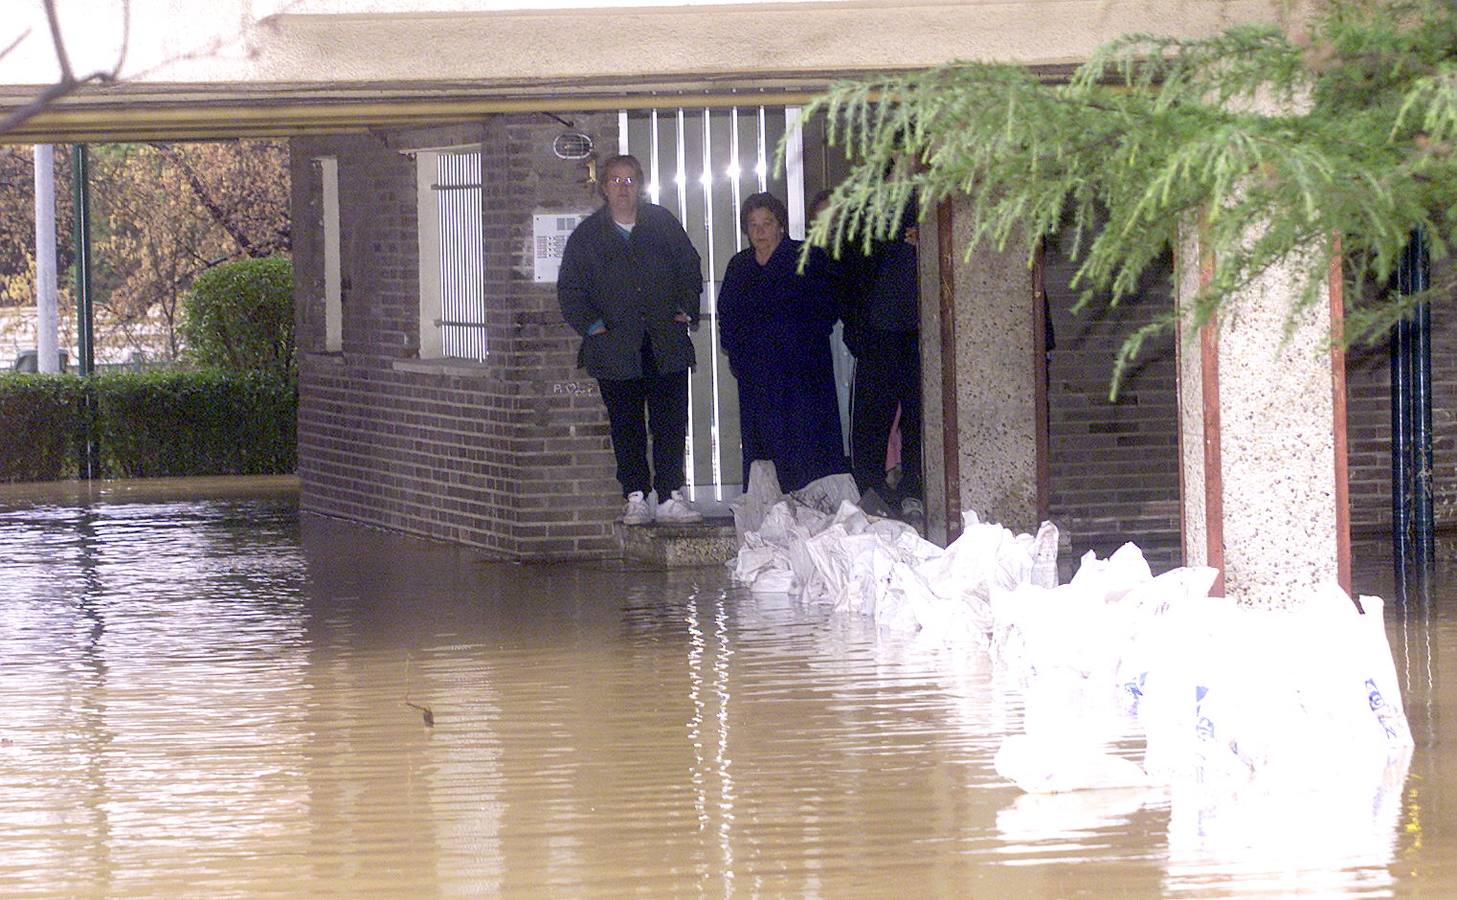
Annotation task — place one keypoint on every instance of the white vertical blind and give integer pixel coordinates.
(701, 163)
(716, 459)
(680, 178)
(462, 256)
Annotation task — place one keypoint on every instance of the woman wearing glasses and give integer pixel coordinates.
(629, 285)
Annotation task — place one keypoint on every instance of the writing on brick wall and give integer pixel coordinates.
(570, 388)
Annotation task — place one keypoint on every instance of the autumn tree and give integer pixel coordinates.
(149, 243)
(161, 214)
(17, 222)
(170, 212)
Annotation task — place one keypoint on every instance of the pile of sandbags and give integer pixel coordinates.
(818, 544)
(1228, 697)
(1218, 693)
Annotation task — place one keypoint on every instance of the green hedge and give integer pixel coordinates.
(42, 420)
(239, 316)
(148, 424)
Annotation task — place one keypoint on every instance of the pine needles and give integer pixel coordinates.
(1285, 150)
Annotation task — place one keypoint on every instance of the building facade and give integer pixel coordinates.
(439, 394)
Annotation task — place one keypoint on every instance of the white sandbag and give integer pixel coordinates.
(1044, 556)
(1114, 576)
(1142, 646)
(851, 517)
(1049, 766)
(1233, 698)
(775, 527)
(828, 494)
(753, 560)
(774, 581)
(831, 551)
(761, 493)
(1293, 697)
(983, 557)
(868, 579)
(830, 554)
(945, 622)
(903, 603)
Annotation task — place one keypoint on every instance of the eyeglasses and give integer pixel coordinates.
(625, 180)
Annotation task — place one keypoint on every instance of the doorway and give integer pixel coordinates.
(700, 164)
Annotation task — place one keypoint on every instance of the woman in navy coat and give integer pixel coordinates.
(774, 325)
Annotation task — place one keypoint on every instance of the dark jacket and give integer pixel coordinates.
(880, 292)
(634, 286)
(774, 326)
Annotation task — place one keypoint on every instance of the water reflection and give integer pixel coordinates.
(204, 694)
(140, 715)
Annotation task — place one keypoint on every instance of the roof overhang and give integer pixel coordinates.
(399, 64)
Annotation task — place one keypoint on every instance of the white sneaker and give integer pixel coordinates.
(638, 512)
(676, 509)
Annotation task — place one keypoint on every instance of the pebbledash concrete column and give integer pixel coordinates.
(982, 367)
(1262, 438)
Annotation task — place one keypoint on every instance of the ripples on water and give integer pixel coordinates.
(202, 695)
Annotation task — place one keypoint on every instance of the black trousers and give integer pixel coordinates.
(887, 374)
(656, 404)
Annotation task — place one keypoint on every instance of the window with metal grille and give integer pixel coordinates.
(462, 319)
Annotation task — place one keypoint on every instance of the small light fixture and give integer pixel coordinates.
(572, 145)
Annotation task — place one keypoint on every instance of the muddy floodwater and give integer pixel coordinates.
(204, 693)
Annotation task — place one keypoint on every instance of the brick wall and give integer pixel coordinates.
(511, 455)
(514, 455)
(1114, 465)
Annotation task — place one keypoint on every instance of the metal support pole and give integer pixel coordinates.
(1413, 519)
(81, 192)
(85, 333)
(1401, 455)
(47, 315)
(1423, 518)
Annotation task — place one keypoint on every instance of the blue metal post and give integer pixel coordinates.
(1401, 455)
(1413, 519)
(1423, 518)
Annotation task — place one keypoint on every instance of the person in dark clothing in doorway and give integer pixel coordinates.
(774, 325)
(882, 330)
(629, 284)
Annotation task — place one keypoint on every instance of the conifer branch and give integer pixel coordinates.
(1275, 142)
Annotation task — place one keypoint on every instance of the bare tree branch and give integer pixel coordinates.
(219, 215)
(38, 104)
(15, 43)
(68, 82)
(58, 41)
